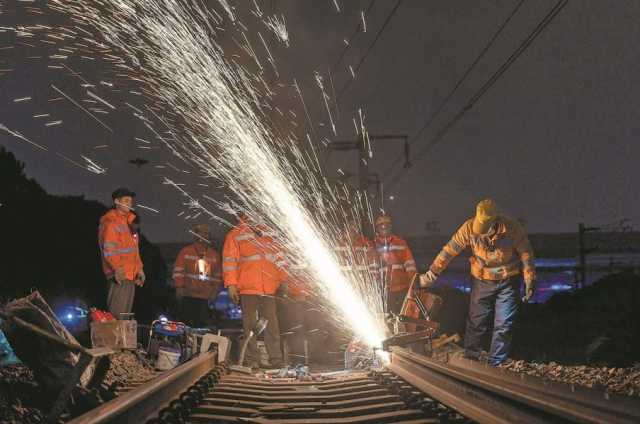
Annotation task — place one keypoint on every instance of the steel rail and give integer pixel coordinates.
(486, 394)
(143, 402)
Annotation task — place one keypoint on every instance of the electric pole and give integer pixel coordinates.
(583, 251)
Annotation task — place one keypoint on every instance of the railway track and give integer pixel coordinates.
(410, 389)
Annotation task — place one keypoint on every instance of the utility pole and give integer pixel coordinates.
(583, 251)
(362, 146)
(364, 180)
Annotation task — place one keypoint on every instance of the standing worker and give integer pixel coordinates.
(500, 252)
(293, 310)
(196, 277)
(121, 263)
(252, 270)
(397, 261)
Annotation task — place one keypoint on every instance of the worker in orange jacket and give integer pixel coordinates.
(358, 261)
(357, 254)
(501, 252)
(293, 311)
(397, 261)
(252, 270)
(196, 278)
(121, 261)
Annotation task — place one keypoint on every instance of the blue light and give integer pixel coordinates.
(163, 318)
(69, 317)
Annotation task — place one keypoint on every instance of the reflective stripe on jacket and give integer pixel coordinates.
(252, 262)
(357, 256)
(197, 271)
(495, 257)
(396, 256)
(119, 245)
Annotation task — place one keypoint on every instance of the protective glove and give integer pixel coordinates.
(140, 279)
(233, 294)
(120, 276)
(529, 290)
(428, 279)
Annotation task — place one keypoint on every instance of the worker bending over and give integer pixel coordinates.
(500, 252)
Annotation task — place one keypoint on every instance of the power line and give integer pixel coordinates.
(464, 76)
(488, 84)
(353, 36)
(371, 46)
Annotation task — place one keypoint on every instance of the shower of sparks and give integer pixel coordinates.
(21, 137)
(320, 84)
(82, 108)
(200, 237)
(93, 167)
(279, 28)
(211, 111)
(139, 205)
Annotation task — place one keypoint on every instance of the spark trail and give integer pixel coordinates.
(217, 120)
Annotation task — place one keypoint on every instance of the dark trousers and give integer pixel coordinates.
(194, 311)
(120, 297)
(292, 330)
(254, 307)
(500, 300)
(394, 303)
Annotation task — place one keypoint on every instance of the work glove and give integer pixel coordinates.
(233, 294)
(428, 279)
(120, 276)
(529, 290)
(140, 279)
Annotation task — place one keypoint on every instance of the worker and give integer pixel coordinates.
(196, 277)
(252, 270)
(121, 261)
(500, 253)
(358, 261)
(396, 258)
(356, 254)
(293, 308)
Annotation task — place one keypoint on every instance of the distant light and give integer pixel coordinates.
(163, 318)
(392, 197)
(560, 287)
(69, 317)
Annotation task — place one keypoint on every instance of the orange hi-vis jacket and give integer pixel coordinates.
(196, 272)
(119, 245)
(252, 261)
(395, 255)
(495, 257)
(358, 255)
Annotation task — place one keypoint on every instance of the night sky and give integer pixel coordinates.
(553, 141)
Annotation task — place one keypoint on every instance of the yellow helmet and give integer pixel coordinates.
(487, 213)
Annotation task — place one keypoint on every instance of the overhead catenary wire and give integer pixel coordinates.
(370, 48)
(485, 87)
(431, 118)
(350, 41)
